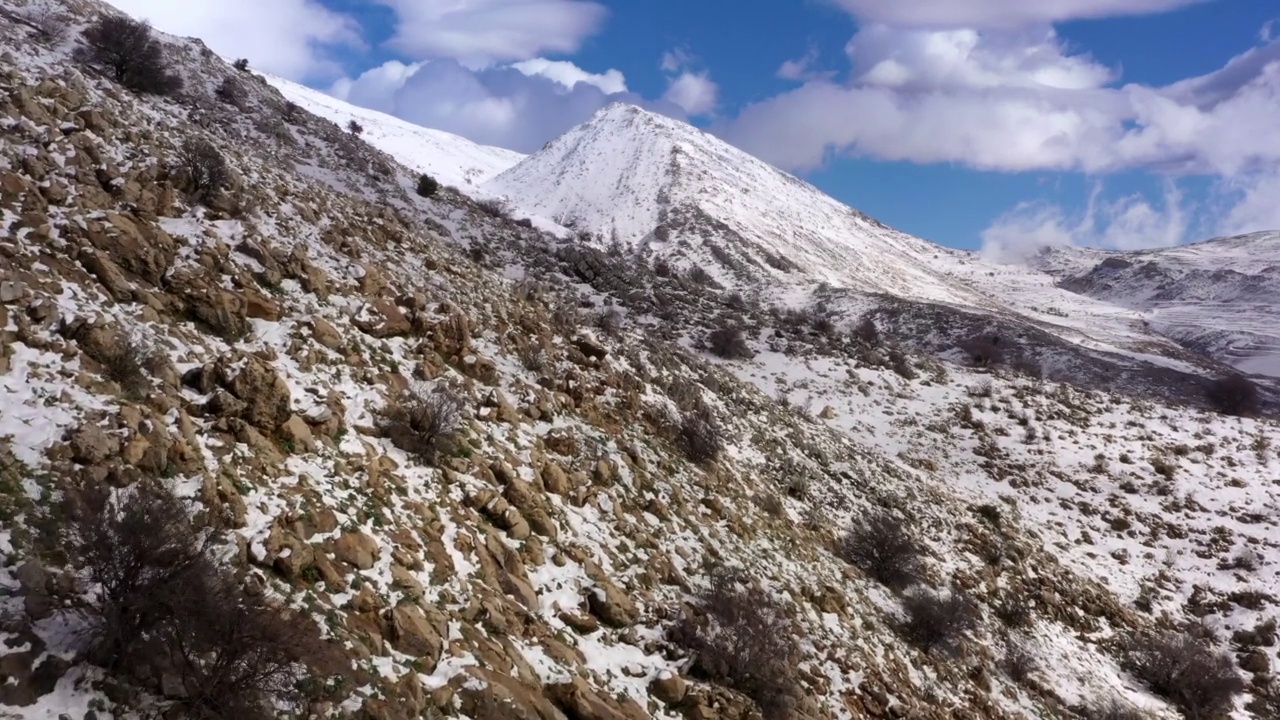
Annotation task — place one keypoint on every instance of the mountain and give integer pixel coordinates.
(1221, 296)
(449, 158)
(280, 438)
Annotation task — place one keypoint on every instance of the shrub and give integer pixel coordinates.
(291, 113)
(983, 350)
(729, 343)
(422, 422)
(1200, 682)
(867, 333)
(1018, 662)
(427, 186)
(744, 639)
(881, 547)
(354, 127)
(935, 620)
(242, 64)
(126, 50)
(202, 169)
(50, 25)
(1114, 710)
(495, 207)
(1234, 395)
(163, 608)
(700, 435)
(127, 362)
(610, 321)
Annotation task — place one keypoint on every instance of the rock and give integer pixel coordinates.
(325, 333)
(590, 347)
(265, 393)
(11, 291)
(828, 413)
(555, 479)
(356, 549)
(91, 444)
(413, 635)
(609, 603)
(261, 307)
(387, 320)
(1255, 661)
(669, 688)
(296, 431)
(581, 702)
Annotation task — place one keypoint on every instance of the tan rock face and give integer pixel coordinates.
(256, 384)
(90, 444)
(412, 634)
(356, 549)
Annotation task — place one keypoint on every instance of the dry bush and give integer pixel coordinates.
(867, 333)
(880, 546)
(164, 608)
(242, 64)
(983, 350)
(50, 24)
(729, 343)
(202, 169)
(129, 362)
(610, 321)
(1234, 395)
(354, 127)
(495, 207)
(427, 186)
(1199, 681)
(1114, 710)
(422, 422)
(126, 50)
(291, 113)
(700, 435)
(1014, 612)
(743, 639)
(936, 620)
(231, 91)
(1018, 662)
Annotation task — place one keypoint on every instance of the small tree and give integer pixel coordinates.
(354, 127)
(427, 185)
(1234, 395)
(242, 64)
(126, 50)
(1200, 682)
(203, 169)
(422, 422)
(881, 547)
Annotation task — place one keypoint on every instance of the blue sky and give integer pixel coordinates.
(1004, 123)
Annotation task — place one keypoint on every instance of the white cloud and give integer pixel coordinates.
(482, 32)
(1256, 206)
(1125, 223)
(998, 13)
(801, 68)
(568, 74)
(503, 105)
(695, 92)
(675, 60)
(290, 38)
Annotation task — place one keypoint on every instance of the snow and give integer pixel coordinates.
(450, 159)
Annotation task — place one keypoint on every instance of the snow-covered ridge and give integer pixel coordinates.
(451, 159)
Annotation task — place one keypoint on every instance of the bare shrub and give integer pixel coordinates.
(202, 169)
(729, 343)
(422, 422)
(241, 64)
(1234, 395)
(50, 25)
(126, 50)
(129, 363)
(1018, 662)
(1114, 709)
(1199, 681)
(936, 620)
(427, 186)
(867, 333)
(495, 207)
(880, 546)
(163, 608)
(744, 639)
(1015, 612)
(983, 350)
(700, 434)
(354, 127)
(610, 321)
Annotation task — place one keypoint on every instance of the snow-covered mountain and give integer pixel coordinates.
(451, 159)
(1220, 296)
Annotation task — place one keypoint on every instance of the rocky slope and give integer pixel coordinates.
(549, 562)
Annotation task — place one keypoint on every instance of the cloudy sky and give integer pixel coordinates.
(1005, 123)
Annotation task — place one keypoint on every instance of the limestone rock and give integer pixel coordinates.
(356, 549)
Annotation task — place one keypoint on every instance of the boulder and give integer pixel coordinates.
(356, 549)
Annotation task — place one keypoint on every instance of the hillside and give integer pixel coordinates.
(442, 464)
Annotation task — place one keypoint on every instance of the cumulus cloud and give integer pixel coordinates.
(1125, 223)
(690, 89)
(999, 13)
(290, 38)
(510, 106)
(478, 33)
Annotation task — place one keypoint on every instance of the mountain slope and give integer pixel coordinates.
(1219, 296)
(449, 158)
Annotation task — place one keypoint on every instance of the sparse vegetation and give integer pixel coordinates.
(983, 350)
(936, 620)
(50, 24)
(743, 638)
(700, 434)
(729, 343)
(128, 362)
(880, 546)
(867, 332)
(427, 186)
(127, 51)
(241, 64)
(1200, 682)
(202, 169)
(354, 127)
(422, 421)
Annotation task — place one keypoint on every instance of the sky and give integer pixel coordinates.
(996, 124)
